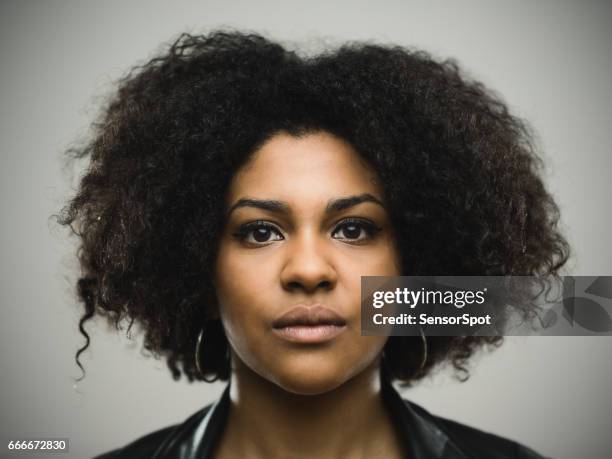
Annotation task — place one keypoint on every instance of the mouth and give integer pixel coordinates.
(309, 324)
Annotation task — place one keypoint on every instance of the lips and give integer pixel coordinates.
(309, 316)
(309, 325)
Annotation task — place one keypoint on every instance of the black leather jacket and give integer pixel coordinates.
(423, 435)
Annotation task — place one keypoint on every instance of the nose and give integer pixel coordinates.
(308, 265)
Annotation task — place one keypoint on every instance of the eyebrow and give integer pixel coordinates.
(281, 207)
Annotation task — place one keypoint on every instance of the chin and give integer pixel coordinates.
(314, 386)
(308, 376)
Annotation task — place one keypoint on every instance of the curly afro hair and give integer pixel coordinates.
(461, 179)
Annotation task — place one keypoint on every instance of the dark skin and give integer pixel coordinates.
(268, 422)
(320, 224)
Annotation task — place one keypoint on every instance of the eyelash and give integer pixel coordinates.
(370, 228)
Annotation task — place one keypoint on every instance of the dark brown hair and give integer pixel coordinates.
(460, 173)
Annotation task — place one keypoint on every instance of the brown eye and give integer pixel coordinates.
(258, 233)
(262, 234)
(355, 230)
(351, 231)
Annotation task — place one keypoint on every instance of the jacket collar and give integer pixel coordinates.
(420, 433)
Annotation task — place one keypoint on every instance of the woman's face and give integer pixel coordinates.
(306, 221)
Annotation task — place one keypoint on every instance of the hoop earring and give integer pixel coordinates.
(425, 349)
(197, 357)
(423, 359)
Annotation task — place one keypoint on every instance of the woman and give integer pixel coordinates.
(236, 194)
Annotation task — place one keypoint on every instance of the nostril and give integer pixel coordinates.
(293, 285)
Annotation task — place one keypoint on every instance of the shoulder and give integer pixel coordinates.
(475, 442)
(144, 446)
(147, 445)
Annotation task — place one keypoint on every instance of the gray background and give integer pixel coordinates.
(550, 60)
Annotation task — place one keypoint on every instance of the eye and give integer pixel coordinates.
(355, 230)
(258, 233)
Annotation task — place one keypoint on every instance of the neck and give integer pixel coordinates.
(268, 421)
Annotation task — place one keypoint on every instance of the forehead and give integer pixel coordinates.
(306, 168)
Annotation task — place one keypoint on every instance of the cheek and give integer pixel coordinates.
(245, 325)
(381, 262)
(238, 287)
(240, 278)
(389, 261)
